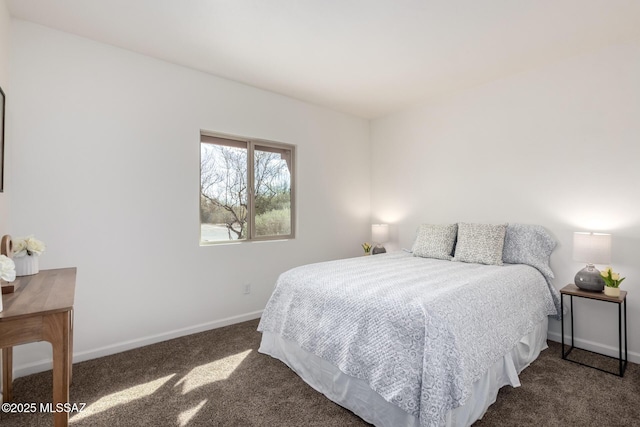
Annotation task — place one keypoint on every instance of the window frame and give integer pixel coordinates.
(251, 144)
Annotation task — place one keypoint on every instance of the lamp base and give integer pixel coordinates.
(589, 279)
(378, 250)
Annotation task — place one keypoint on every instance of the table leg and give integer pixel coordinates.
(562, 322)
(626, 358)
(571, 301)
(7, 374)
(56, 330)
(620, 339)
(71, 315)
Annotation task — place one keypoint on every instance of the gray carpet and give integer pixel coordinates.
(217, 378)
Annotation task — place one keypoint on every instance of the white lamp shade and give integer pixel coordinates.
(592, 248)
(380, 233)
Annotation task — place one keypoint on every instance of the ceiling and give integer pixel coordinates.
(364, 57)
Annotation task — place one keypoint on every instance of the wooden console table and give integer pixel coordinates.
(41, 309)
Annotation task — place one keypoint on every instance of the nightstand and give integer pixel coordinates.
(573, 291)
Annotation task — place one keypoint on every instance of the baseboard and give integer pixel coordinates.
(44, 365)
(594, 346)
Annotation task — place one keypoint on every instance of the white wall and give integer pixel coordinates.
(557, 146)
(5, 24)
(106, 172)
(104, 169)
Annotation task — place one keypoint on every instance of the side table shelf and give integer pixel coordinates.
(573, 291)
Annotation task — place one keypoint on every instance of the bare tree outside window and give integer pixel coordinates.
(224, 188)
(272, 192)
(229, 170)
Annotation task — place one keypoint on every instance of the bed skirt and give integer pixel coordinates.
(356, 395)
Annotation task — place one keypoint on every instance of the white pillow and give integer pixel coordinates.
(529, 244)
(435, 241)
(480, 243)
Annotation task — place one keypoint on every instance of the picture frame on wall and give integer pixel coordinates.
(2, 109)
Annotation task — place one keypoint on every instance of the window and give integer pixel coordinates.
(246, 189)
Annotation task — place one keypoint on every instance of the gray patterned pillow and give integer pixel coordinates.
(480, 243)
(530, 245)
(435, 241)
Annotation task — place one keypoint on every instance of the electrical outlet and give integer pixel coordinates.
(247, 289)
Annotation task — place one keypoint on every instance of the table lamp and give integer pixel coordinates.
(379, 235)
(592, 248)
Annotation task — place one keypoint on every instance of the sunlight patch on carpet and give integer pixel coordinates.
(186, 416)
(211, 372)
(121, 397)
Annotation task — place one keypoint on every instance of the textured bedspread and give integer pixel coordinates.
(419, 331)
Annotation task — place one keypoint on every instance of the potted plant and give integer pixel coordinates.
(612, 282)
(26, 251)
(367, 248)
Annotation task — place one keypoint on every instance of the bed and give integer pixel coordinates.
(405, 340)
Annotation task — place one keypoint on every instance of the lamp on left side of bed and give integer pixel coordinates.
(379, 235)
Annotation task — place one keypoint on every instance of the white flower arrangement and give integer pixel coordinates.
(27, 246)
(7, 269)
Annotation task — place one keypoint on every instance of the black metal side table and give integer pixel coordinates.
(573, 291)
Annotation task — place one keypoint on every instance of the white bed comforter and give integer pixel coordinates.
(419, 331)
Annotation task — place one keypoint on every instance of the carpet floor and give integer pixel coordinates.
(217, 378)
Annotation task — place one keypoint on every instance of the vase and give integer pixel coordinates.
(611, 292)
(26, 265)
